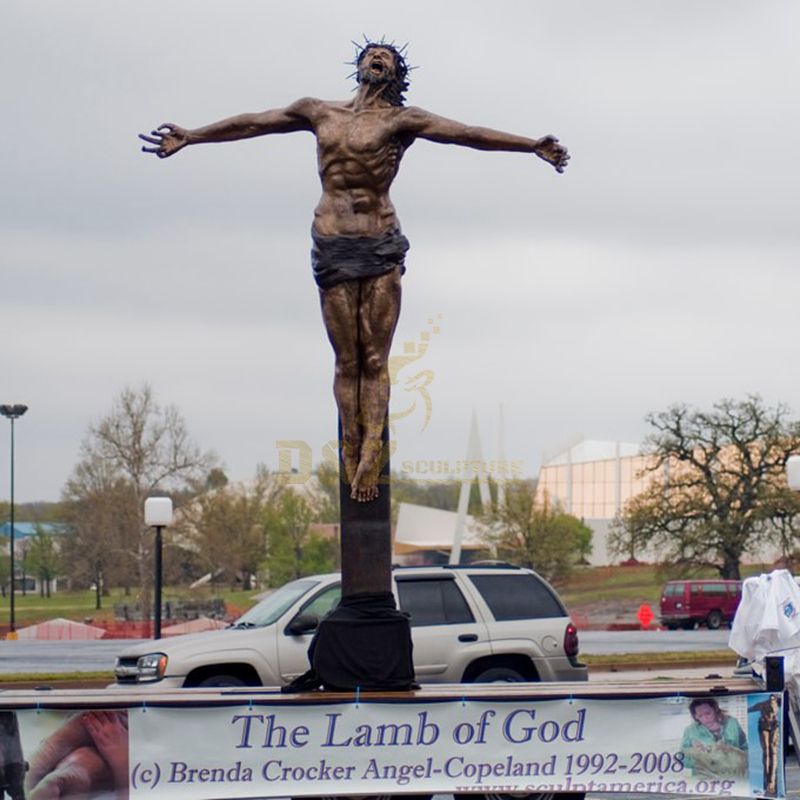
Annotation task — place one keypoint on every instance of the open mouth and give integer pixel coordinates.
(376, 66)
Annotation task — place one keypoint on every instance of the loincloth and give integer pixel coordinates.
(335, 259)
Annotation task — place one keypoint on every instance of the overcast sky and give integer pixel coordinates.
(662, 267)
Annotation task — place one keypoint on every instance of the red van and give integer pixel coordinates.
(695, 602)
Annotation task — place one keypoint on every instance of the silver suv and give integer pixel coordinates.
(468, 624)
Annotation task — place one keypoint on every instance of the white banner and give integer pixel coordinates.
(728, 746)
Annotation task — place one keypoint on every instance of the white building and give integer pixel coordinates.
(592, 480)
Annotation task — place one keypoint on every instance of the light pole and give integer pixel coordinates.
(158, 514)
(13, 412)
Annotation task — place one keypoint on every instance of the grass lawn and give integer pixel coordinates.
(640, 584)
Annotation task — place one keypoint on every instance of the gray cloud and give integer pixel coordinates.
(661, 267)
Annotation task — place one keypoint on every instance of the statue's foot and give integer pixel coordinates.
(364, 487)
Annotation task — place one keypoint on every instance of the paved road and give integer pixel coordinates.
(40, 656)
(89, 656)
(604, 642)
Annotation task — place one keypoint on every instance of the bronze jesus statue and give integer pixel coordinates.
(358, 249)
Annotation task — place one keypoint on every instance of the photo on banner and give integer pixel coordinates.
(69, 754)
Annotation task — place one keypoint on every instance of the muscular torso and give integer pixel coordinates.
(358, 155)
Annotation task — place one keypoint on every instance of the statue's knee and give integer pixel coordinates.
(374, 365)
(347, 368)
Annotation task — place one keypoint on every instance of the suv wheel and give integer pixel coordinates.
(714, 620)
(222, 680)
(499, 675)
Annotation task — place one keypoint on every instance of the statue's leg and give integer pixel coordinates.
(340, 315)
(378, 313)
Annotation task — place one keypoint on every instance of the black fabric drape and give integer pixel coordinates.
(364, 643)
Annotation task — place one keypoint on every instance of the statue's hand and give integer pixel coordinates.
(167, 138)
(552, 152)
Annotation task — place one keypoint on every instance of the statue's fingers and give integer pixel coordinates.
(150, 139)
(151, 149)
(167, 126)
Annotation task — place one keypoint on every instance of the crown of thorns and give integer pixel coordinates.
(399, 84)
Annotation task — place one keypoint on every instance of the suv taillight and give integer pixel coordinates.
(571, 641)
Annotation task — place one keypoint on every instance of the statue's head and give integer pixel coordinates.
(381, 63)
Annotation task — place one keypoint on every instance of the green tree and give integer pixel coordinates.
(538, 536)
(226, 528)
(441, 494)
(292, 550)
(717, 488)
(43, 559)
(583, 543)
(327, 505)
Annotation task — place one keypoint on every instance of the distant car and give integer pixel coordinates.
(468, 624)
(691, 602)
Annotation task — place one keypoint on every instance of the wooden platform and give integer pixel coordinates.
(120, 698)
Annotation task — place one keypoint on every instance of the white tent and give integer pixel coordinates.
(420, 529)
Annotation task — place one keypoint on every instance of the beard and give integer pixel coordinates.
(366, 75)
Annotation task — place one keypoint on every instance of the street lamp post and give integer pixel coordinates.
(157, 514)
(13, 412)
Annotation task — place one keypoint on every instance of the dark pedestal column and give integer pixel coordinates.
(366, 533)
(365, 642)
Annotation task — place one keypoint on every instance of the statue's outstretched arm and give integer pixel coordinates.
(423, 124)
(168, 138)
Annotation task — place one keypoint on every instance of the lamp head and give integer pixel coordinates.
(793, 473)
(13, 411)
(158, 511)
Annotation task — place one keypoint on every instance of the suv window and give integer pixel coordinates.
(433, 602)
(275, 605)
(324, 602)
(521, 596)
(713, 588)
(673, 589)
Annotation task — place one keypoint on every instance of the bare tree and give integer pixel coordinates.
(718, 487)
(140, 448)
(100, 508)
